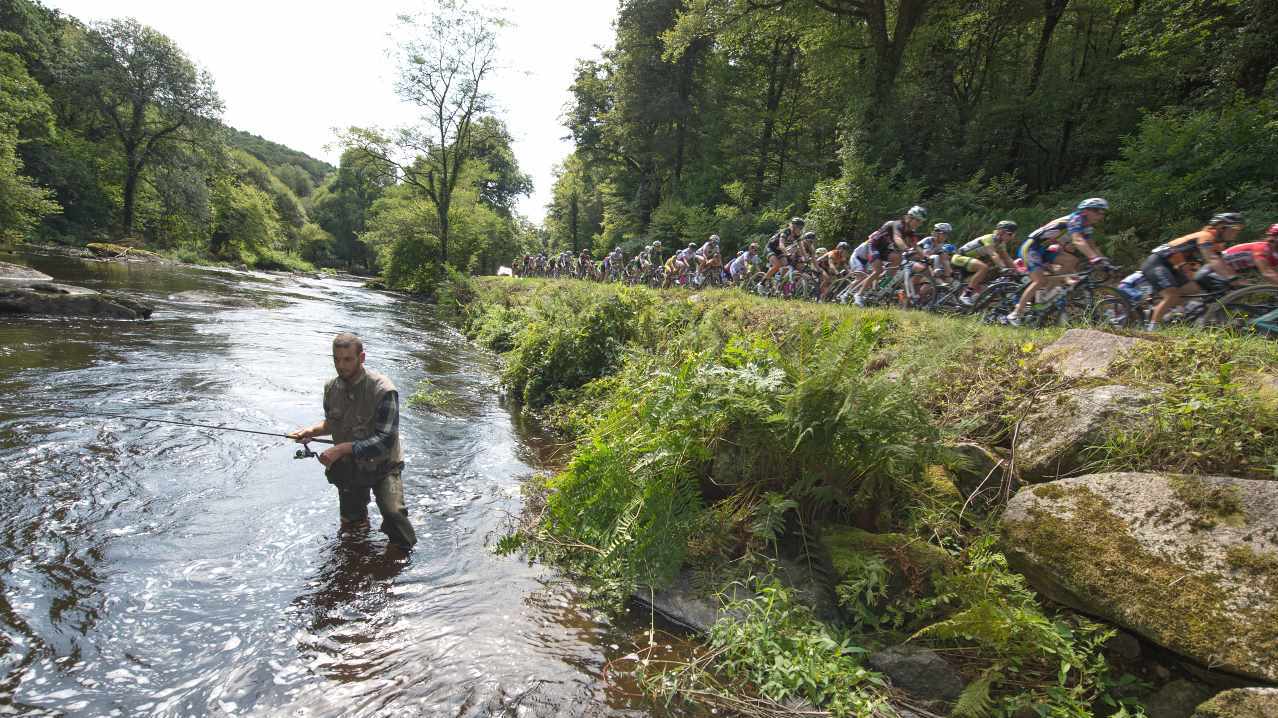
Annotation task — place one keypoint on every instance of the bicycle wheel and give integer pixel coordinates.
(996, 302)
(1110, 309)
(1250, 309)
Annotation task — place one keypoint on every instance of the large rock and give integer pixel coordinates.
(1241, 703)
(920, 672)
(1190, 564)
(16, 274)
(1087, 353)
(62, 300)
(1053, 439)
(912, 561)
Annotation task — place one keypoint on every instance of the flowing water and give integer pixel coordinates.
(149, 569)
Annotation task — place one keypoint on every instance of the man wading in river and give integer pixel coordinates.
(361, 411)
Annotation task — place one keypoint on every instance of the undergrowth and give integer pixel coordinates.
(716, 432)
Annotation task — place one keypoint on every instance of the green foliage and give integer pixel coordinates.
(24, 109)
(774, 648)
(1033, 661)
(863, 590)
(245, 224)
(1210, 419)
(567, 349)
(1185, 165)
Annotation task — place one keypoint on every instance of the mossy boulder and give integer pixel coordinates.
(1188, 563)
(1053, 439)
(1087, 353)
(1241, 703)
(912, 560)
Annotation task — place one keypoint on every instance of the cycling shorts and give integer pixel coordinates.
(1036, 258)
(963, 260)
(1161, 274)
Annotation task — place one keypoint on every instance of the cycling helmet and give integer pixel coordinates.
(657, 243)
(1272, 233)
(809, 235)
(692, 245)
(1093, 203)
(821, 250)
(949, 248)
(843, 246)
(918, 213)
(1226, 218)
(943, 228)
(1007, 225)
(797, 220)
(714, 239)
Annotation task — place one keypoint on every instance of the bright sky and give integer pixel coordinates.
(292, 70)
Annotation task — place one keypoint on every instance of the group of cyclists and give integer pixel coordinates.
(895, 263)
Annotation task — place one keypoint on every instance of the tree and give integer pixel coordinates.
(23, 107)
(149, 92)
(446, 61)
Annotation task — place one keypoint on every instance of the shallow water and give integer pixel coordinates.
(160, 570)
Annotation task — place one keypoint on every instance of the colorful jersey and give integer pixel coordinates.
(883, 241)
(707, 250)
(1060, 231)
(983, 246)
(930, 245)
(1187, 248)
(1252, 255)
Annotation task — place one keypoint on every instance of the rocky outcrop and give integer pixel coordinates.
(1190, 564)
(1087, 353)
(26, 291)
(18, 275)
(920, 672)
(1241, 703)
(1053, 438)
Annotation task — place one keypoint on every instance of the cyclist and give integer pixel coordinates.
(979, 255)
(833, 263)
(1046, 245)
(780, 244)
(708, 256)
(804, 250)
(677, 265)
(744, 263)
(937, 250)
(1260, 256)
(1164, 269)
(887, 244)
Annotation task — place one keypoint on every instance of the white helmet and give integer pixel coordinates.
(918, 213)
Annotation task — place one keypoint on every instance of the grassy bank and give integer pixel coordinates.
(729, 439)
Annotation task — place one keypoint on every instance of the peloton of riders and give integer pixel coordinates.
(1050, 255)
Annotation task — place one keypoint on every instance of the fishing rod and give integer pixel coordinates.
(303, 453)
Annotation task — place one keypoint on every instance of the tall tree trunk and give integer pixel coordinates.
(889, 49)
(132, 172)
(779, 73)
(1053, 11)
(573, 214)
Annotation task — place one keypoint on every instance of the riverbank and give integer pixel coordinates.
(834, 485)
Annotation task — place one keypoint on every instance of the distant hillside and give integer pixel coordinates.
(275, 154)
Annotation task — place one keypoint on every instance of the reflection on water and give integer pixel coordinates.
(159, 570)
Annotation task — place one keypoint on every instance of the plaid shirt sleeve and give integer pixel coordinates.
(385, 427)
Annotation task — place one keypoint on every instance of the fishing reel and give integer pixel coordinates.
(305, 452)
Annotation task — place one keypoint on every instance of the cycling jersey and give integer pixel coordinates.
(741, 264)
(1252, 255)
(707, 251)
(1187, 248)
(983, 246)
(1060, 231)
(781, 242)
(883, 241)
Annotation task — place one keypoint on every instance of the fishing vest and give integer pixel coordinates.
(351, 415)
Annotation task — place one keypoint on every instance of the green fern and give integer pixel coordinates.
(976, 701)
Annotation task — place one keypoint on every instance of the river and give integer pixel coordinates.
(149, 569)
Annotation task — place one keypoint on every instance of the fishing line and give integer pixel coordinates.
(75, 412)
